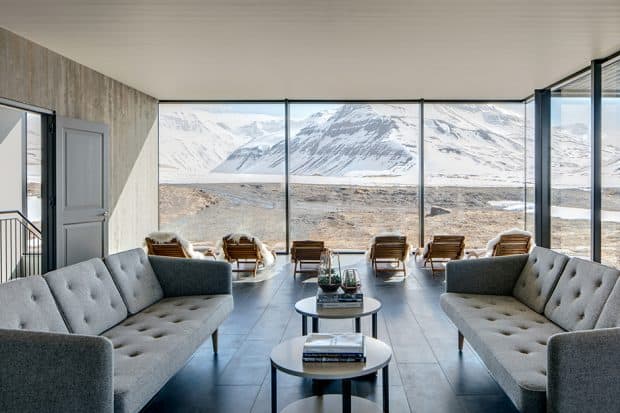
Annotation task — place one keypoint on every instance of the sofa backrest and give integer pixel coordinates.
(610, 316)
(87, 297)
(135, 278)
(539, 277)
(27, 304)
(582, 291)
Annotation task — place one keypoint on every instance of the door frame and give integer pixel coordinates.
(48, 179)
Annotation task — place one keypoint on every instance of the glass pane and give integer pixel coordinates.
(610, 164)
(474, 170)
(33, 168)
(570, 168)
(221, 170)
(353, 172)
(529, 167)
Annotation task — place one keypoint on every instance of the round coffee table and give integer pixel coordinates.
(287, 357)
(307, 308)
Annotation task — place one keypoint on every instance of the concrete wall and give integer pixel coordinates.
(32, 74)
(12, 135)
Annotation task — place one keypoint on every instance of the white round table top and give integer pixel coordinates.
(308, 307)
(331, 403)
(287, 357)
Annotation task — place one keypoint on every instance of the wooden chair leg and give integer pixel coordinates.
(461, 339)
(405, 269)
(214, 341)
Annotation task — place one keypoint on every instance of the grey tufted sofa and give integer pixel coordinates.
(545, 325)
(95, 337)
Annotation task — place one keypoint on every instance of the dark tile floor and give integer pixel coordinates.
(427, 373)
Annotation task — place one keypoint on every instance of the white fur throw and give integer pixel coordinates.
(269, 258)
(166, 237)
(491, 244)
(388, 234)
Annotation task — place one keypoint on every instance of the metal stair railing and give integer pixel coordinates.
(20, 246)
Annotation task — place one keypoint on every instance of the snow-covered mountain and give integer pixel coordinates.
(463, 144)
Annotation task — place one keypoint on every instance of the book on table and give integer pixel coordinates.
(338, 348)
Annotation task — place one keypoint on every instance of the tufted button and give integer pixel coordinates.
(524, 352)
(523, 284)
(577, 294)
(86, 320)
(193, 308)
(507, 314)
(505, 333)
(162, 315)
(135, 354)
(177, 321)
(599, 283)
(582, 316)
(98, 275)
(574, 273)
(541, 342)
(543, 372)
(93, 296)
(117, 346)
(33, 297)
(491, 319)
(558, 302)
(141, 329)
(523, 327)
(156, 336)
(128, 324)
(69, 287)
(22, 325)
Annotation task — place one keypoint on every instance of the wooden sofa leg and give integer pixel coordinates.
(461, 339)
(214, 340)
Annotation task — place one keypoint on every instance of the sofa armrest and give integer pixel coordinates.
(55, 372)
(584, 371)
(187, 276)
(493, 276)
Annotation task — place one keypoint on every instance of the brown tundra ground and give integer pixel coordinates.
(347, 216)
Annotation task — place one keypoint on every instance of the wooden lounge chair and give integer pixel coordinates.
(444, 248)
(306, 252)
(512, 244)
(243, 251)
(172, 248)
(389, 249)
(507, 244)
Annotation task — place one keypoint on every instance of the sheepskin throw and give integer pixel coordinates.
(167, 237)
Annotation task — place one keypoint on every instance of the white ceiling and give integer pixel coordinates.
(333, 49)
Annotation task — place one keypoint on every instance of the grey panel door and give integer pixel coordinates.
(81, 190)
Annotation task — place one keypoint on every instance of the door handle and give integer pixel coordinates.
(105, 214)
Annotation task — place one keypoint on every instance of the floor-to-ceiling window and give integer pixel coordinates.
(571, 167)
(610, 164)
(530, 165)
(473, 169)
(33, 168)
(353, 171)
(222, 170)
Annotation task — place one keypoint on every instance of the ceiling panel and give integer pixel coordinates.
(326, 49)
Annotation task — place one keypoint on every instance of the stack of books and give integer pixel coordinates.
(339, 299)
(334, 348)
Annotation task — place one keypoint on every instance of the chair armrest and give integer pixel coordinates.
(493, 276)
(186, 276)
(584, 371)
(55, 372)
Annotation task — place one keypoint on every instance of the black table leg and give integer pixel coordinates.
(386, 390)
(346, 396)
(304, 325)
(374, 325)
(315, 324)
(274, 390)
(358, 325)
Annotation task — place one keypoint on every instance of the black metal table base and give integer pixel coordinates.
(358, 325)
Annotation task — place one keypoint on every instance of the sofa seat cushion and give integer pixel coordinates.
(87, 297)
(581, 293)
(27, 304)
(510, 338)
(135, 279)
(151, 346)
